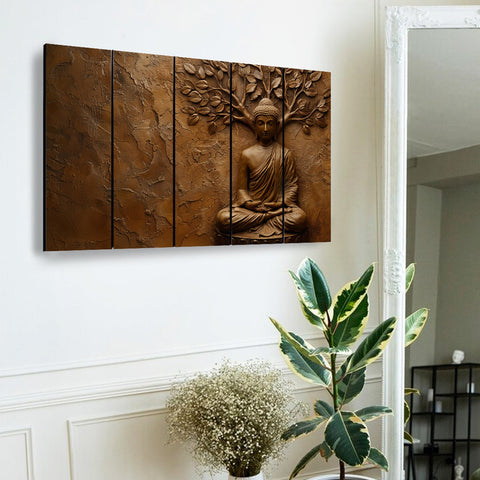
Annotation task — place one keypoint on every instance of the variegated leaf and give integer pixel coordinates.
(409, 274)
(348, 437)
(323, 409)
(302, 428)
(308, 305)
(410, 391)
(372, 347)
(414, 324)
(408, 437)
(373, 412)
(305, 460)
(299, 344)
(350, 385)
(315, 284)
(378, 458)
(348, 298)
(302, 366)
(406, 412)
(347, 332)
(325, 451)
(332, 351)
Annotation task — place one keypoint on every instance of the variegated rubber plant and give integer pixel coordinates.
(414, 324)
(336, 367)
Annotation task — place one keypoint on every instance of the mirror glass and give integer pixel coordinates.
(443, 239)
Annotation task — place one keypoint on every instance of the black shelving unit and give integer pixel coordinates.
(445, 381)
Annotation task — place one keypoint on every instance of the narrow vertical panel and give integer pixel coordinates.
(307, 136)
(143, 150)
(262, 166)
(202, 152)
(77, 148)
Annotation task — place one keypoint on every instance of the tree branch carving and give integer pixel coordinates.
(210, 92)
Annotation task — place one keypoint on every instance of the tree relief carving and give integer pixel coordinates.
(265, 204)
(207, 88)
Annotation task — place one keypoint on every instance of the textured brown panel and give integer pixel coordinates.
(143, 150)
(250, 84)
(309, 140)
(202, 150)
(78, 148)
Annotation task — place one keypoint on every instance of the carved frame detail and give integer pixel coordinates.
(399, 20)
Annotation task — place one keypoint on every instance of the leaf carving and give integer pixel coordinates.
(276, 82)
(193, 119)
(212, 128)
(189, 68)
(251, 87)
(201, 73)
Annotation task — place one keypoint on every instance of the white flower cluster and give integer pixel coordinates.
(232, 417)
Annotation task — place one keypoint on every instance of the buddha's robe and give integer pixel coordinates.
(266, 184)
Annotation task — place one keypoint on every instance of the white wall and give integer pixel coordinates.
(91, 341)
(458, 297)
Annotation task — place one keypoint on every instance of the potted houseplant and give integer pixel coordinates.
(232, 418)
(336, 367)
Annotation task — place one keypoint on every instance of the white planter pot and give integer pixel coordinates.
(348, 476)
(255, 477)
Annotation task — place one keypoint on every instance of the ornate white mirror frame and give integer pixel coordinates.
(398, 23)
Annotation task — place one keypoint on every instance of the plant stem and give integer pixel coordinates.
(333, 358)
(342, 470)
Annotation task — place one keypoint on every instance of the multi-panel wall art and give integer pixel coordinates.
(154, 151)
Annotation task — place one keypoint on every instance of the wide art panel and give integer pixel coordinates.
(147, 150)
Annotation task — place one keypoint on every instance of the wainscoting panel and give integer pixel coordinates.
(16, 462)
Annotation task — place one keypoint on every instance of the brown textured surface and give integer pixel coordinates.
(143, 150)
(312, 155)
(77, 148)
(243, 136)
(202, 160)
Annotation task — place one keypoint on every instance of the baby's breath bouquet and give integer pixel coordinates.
(232, 417)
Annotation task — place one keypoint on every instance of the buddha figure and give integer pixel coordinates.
(266, 194)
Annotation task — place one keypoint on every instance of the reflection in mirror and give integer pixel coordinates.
(443, 239)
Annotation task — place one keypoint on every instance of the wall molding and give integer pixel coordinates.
(134, 358)
(74, 424)
(152, 356)
(26, 432)
(111, 390)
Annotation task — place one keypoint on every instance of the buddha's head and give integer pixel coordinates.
(266, 116)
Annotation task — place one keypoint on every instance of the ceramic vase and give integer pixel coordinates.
(255, 477)
(334, 476)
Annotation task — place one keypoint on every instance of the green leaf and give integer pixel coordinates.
(351, 385)
(308, 305)
(409, 274)
(347, 332)
(315, 284)
(323, 409)
(407, 437)
(373, 412)
(372, 347)
(348, 437)
(303, 366)
(332, 351)
(406, 412)
(305, 460)
(302, 428)
(378, 458)
(325, 451)
(414, 324)
(347, 300)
